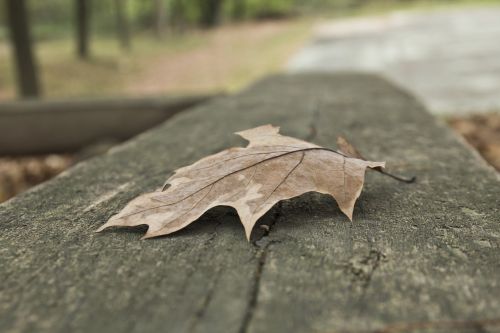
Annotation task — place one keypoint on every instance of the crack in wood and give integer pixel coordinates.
(262, 243)
(254, 291)
(200, 312)
(363, 270)
(313, 128)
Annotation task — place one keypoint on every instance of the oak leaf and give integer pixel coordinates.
(252, 179)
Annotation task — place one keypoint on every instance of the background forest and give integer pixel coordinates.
(88, 47)
(54, 18)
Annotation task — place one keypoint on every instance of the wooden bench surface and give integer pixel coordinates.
(424, 255)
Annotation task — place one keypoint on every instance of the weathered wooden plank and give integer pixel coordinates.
(422, 252)
(41, 127)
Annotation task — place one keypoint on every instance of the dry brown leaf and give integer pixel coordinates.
(347, 149)
(350, 151)
(252, 179)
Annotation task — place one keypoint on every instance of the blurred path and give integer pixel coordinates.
(450, 59)
(230, 57)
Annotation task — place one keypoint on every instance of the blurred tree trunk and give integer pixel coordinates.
(27, 80)
(82, 15)
(210, 12)
(159, 8)
(122, 24)
(177, 15)
(238, 10)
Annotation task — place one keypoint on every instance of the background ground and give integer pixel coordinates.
(222, 59)
(482, 131)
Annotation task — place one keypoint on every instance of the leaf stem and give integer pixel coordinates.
(398, 178)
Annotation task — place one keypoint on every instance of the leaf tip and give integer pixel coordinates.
(249, 134)
(348, 211)
(102, 227)
(110, 223)
(248, 233)
(150, 234)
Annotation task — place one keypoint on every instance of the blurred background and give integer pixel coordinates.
(79, 76)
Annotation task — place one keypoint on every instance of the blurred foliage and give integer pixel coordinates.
(54, 18)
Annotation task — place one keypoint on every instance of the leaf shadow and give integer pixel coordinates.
(220, 220)
(317, 206)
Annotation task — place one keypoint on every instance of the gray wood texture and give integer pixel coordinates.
(419, 257)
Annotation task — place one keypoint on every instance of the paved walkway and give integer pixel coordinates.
(450, 59)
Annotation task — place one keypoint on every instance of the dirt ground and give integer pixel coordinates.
(230, 58)
(18, 174)
(483, 133)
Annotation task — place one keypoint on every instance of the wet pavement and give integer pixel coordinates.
(449, 59)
